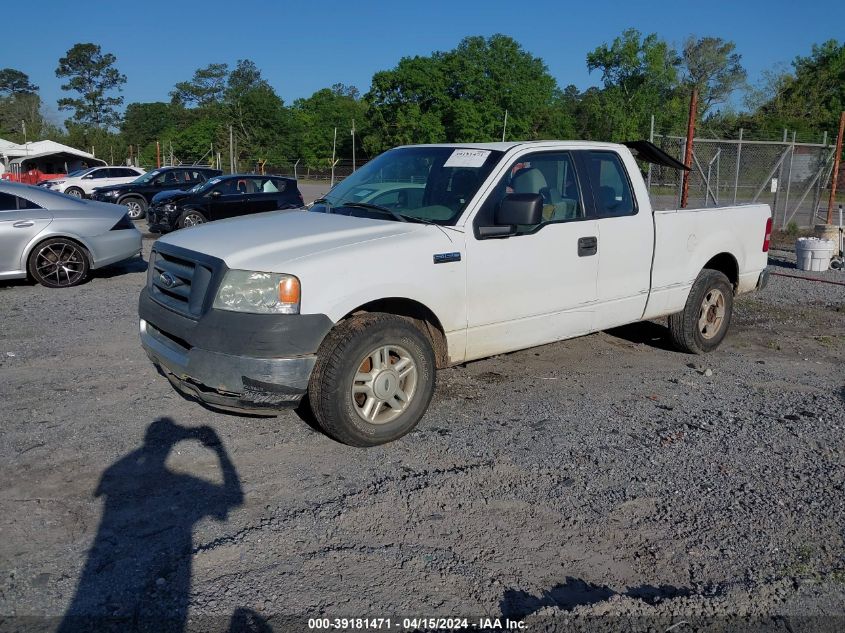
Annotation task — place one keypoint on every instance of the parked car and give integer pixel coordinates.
(512, 245)
(396, 195)
(81, 184)
(137, 195)
(222, 197)
(57, 239)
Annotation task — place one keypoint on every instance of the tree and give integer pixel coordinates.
(639, 77)
(15, 82)
(462, 95)
(315, 118)
(712, 67)
(144, 123)
(811, 99)
(92, 74)
(206, 88)
(20, 106)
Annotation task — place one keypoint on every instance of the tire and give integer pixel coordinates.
(340, 395)
(58, 263)
(76, 192)
(705, 319)
(190, 218)
(136, 207)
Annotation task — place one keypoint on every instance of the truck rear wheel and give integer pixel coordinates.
(704, 321)
(373, 380)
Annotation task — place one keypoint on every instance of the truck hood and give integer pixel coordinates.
(268, 241)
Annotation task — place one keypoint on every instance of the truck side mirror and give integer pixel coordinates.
(520, 208)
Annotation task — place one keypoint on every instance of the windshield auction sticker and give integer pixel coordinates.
(467, 158)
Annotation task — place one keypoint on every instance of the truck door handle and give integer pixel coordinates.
(23, 224)
(587, 246)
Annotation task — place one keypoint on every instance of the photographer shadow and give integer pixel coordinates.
(138, 573)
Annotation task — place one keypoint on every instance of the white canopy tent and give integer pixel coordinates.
(42, 150)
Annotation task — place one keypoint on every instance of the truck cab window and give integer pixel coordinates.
(611, 187)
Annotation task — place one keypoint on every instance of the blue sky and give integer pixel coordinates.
(304, 46)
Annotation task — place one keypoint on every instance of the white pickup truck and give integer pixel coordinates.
(430, 256)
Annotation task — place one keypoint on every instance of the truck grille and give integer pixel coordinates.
(181, 282)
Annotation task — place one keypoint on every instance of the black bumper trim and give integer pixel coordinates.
(239, 333)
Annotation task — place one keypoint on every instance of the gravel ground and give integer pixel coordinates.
(603, 483)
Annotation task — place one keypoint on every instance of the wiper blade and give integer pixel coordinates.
(375, 207)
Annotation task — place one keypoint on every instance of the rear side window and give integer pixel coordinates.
(8, 202)
(611, 187)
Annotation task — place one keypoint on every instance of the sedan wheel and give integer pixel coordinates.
(75, 192)
(191, 218)
(58, 263)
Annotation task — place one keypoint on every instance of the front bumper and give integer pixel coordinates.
(160, 221)
(230, 360)
(226, 381)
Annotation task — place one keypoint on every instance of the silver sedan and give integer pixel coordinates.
(56, 239)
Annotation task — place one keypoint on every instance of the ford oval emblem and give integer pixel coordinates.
(167, 280)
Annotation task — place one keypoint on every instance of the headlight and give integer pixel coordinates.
(54, 183)
(170, 208)
(260, 293)
(111, 194)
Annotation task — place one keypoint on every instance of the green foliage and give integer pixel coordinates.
(143, 123)
(712, 66)
(314, 120)
(462, 95)
(640, 78)
(792, 229)
(811, 99)
(15, 82)
(92, 74)
(206, 88)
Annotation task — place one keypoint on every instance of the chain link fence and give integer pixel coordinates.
(792, 178)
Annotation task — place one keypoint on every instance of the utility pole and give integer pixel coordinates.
(158, 154)
(505, 126)
(693, 112)
(353, 144)
(231, 151)
(23, 125)
(836, 158)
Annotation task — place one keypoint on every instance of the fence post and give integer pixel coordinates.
(835, 177)
(777, 189)
(693, 110)
(738, 157)
(789, 177)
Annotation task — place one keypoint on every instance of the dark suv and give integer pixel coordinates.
(138, 194)
(222, 197)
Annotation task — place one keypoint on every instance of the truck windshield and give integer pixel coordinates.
(427, 183)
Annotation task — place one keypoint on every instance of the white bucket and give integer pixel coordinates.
(812, 253)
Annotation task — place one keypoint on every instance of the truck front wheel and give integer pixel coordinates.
(704, 322)
(373, 379)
